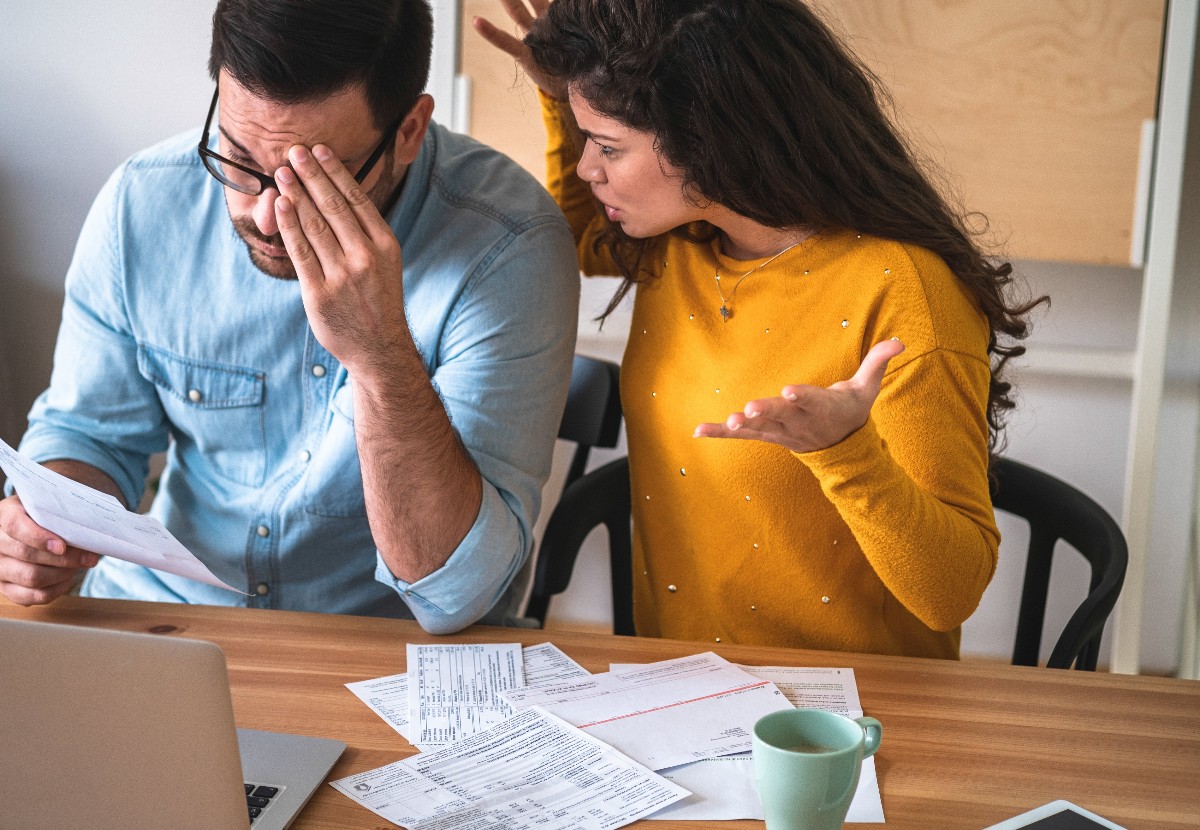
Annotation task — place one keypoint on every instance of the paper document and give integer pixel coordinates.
(663, 714)
(547, 663)
(530, 772)
(388, 696)
(454, 690)
(724, 789)
(95, 521)
(833, 690)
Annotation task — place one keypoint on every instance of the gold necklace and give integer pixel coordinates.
(726, 311)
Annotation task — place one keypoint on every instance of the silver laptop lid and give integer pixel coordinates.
(104, 729)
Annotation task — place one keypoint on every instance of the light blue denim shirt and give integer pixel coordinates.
(172, 340)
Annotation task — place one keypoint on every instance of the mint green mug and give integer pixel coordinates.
(806, 766)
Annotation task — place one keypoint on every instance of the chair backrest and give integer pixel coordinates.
(1057, 511)
(592, 418)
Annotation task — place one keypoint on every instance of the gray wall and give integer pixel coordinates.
(82, 86)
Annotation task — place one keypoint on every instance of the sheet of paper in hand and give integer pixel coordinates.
(95, 521)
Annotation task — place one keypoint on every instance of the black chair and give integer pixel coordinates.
(592, 418)
(1055, 510)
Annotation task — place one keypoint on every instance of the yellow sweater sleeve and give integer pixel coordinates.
(912, 486)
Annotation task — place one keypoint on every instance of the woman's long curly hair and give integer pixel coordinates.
(768, 114)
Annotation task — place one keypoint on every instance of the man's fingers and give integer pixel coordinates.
(325, 215)
(22, 595)
(73, 559)
(23, 531)
(28, 575)
(303, 257)
(363, 218)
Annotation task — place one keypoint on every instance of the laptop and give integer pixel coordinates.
(107, 729)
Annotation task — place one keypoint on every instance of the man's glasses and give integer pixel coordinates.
(251, 182)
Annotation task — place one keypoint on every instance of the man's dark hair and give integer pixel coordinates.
(289, 51)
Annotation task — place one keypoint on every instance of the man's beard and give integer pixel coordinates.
(281, 268)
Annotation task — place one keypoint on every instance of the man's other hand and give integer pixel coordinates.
(36, 566)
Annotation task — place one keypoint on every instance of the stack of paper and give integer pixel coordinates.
(522, 738)
(390, 698)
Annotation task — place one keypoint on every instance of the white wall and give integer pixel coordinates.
(82, 86)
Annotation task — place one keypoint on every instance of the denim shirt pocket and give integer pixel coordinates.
(333, 482)
(216, 408)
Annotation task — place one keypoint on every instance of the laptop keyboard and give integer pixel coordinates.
(258, 798)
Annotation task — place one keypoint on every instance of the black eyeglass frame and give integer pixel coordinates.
(213, 160)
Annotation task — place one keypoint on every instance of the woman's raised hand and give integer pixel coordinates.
(523, 16)
(809, 418)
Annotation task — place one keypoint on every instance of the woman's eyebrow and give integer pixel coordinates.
(597, 136)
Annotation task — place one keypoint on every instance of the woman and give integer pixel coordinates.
(733, 162)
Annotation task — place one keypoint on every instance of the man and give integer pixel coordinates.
(351, 330)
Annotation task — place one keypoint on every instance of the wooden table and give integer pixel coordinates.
(965, 744)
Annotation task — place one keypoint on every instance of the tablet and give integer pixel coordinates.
(1057, 815)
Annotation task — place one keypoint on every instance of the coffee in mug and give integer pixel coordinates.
(806, 766)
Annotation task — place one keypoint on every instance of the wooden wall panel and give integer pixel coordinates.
(1032, 108)
(504, 108)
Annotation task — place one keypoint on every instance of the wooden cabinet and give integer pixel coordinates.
(1034, 109)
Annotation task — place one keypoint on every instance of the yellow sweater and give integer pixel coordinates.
(882, 543)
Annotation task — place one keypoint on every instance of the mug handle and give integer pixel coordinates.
(872, 733)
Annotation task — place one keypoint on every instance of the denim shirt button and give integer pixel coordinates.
(264, 531)
(318, 370)
(262, 589)
(194, 395)
(305, 456)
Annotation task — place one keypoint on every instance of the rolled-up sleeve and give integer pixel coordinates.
(469, 584)
(502, 369)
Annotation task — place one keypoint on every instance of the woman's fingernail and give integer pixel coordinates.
(55, 546)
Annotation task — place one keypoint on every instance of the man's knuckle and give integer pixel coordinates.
(333, 204)
(358, 262)
(315, 226)
(303, 252)
(28, 575)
